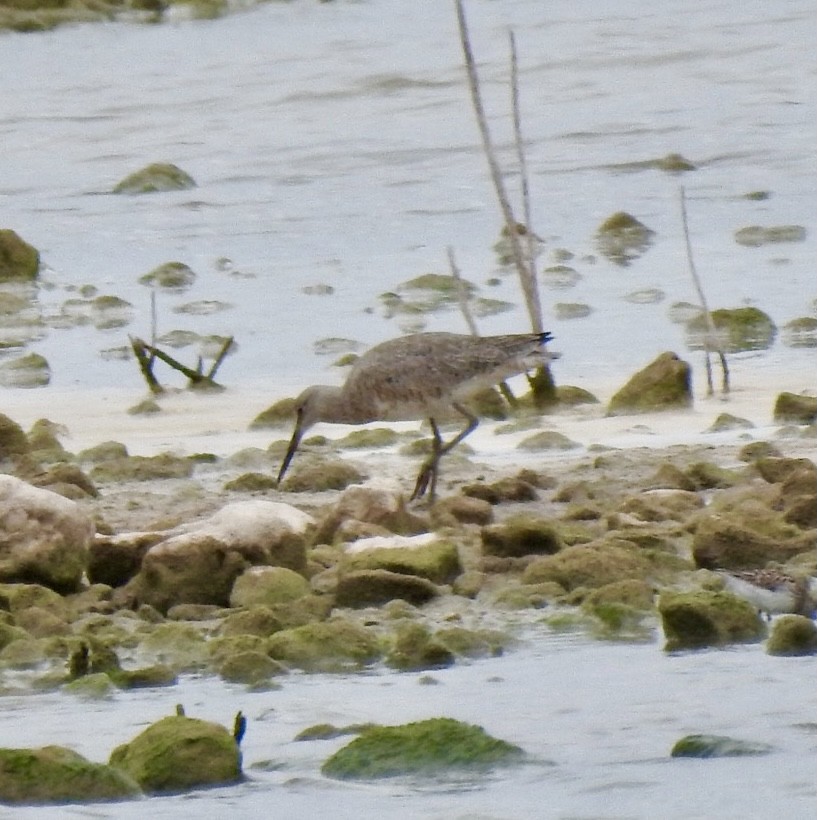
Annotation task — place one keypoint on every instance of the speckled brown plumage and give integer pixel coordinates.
(419, 376)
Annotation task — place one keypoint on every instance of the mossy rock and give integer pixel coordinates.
(473, 643)
(571, 310)
(664, 384)
(717, 746)
(522, 534)
(19, 261)
(707, 476)
(428, 747)
(588, 565)
(172, 276)
(30, 370)
(569, 395)
(694, 620)
(252, 668)
(97, 686)
(142, 468)
(438, 561)
(528, 596)
(726, 421)
(621, 238)
(179, 753)
(13, 441)
(331, 646)
(800, 332)
(369, 439)
(737, 329)
(547, 440)
(791, 408)
(414, 647)
(321, 476)
(257, 619)
(268, 586)
(251, 483)
(373, 587)
(727, 542)
(792, 636)
(54, 774)
(157, 177)
(754, 236)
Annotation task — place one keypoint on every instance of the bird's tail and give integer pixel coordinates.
(547, 355)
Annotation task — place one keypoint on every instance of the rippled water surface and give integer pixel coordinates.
(597, 720)
(334, 144)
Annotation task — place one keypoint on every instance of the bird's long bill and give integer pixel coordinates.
(293, 446)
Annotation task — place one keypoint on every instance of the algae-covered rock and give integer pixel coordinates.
(587, 565)
(792, 636)
(19, 261)
(548, 440)
(428, 747)
(717, 746)
(330, 646)
(737, 329)
(726, 543)
(157, 177)
(54, 774)
(795, 409)
(664, 384)
(179, 753)
(522, 534)
(373, 587)
(622, 238)
(414, 647)
(172, 276)
(726, 421)
(754, 236)
(13, 441)
(694, 620)
(436, 560)
(268, 585)
(251, 667)
(801, 332)
(30, 370)
(314, 477)
(142, 468)
(571, 310)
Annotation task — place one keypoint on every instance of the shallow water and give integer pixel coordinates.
(598, 721)
(334, 144)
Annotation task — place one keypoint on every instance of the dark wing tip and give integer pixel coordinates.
(545, 337)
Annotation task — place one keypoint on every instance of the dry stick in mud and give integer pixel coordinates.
(146, 354)
(711, 339)
(544, 392)
(462, 296)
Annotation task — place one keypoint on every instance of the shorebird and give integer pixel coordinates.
(419, 376)
(772, 591)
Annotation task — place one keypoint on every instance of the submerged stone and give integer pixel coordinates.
(428, 747)
(737, 330)
(717, 746)
(157, 177)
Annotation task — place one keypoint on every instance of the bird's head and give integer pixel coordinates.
(312, 406)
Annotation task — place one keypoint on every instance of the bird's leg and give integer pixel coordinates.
(427, 479)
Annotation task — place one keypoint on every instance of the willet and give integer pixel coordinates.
(419, 376)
